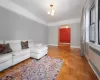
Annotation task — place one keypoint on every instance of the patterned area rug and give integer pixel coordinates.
(46, 68)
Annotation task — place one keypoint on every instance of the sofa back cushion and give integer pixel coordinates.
(1, 42)
(14, 44)
(30, 43)
(24, 44)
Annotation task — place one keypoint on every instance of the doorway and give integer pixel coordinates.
(64, 37)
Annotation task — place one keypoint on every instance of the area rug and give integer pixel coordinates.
(46, 68)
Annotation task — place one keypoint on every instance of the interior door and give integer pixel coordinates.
(64, 35)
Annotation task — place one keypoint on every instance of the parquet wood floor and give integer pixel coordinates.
(74, 67)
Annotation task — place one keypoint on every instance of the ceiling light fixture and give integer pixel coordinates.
(52, 10)
(67, 27)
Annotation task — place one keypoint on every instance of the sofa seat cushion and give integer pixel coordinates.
(20, 53)
(25, 51)
(38, 49)
(5, 57)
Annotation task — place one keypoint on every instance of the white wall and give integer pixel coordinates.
(75, 35)
(53, 35)
(14, 26)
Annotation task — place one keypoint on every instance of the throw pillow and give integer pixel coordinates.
(24, 45)
(2, 49)
(8, 48)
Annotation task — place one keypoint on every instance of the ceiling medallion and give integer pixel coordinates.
(51, 10)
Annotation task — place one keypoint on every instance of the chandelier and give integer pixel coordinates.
(51, 10)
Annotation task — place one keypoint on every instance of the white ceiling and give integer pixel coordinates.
(65, 9)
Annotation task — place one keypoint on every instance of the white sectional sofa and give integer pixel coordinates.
(37, 50)
(5, 60)
(18, 55)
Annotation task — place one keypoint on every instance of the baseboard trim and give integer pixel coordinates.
(75, 46)
(57, 45)
(52, 45)
(64, 43)
(94, 70)
(92, 67)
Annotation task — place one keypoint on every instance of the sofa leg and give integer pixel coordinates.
(46, 55)
(38, 59)
(41, 57)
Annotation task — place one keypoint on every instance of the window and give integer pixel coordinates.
(99, 21)
(92, 24)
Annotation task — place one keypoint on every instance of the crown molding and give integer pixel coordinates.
(63, 22)
(24, 12)
(20, 10)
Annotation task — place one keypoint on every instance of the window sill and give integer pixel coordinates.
(95, 46)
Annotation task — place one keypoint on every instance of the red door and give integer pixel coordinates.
(64, 35)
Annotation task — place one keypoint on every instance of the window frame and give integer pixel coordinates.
(98, 23)
(92, 24)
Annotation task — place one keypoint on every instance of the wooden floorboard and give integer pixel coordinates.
(74, 67)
